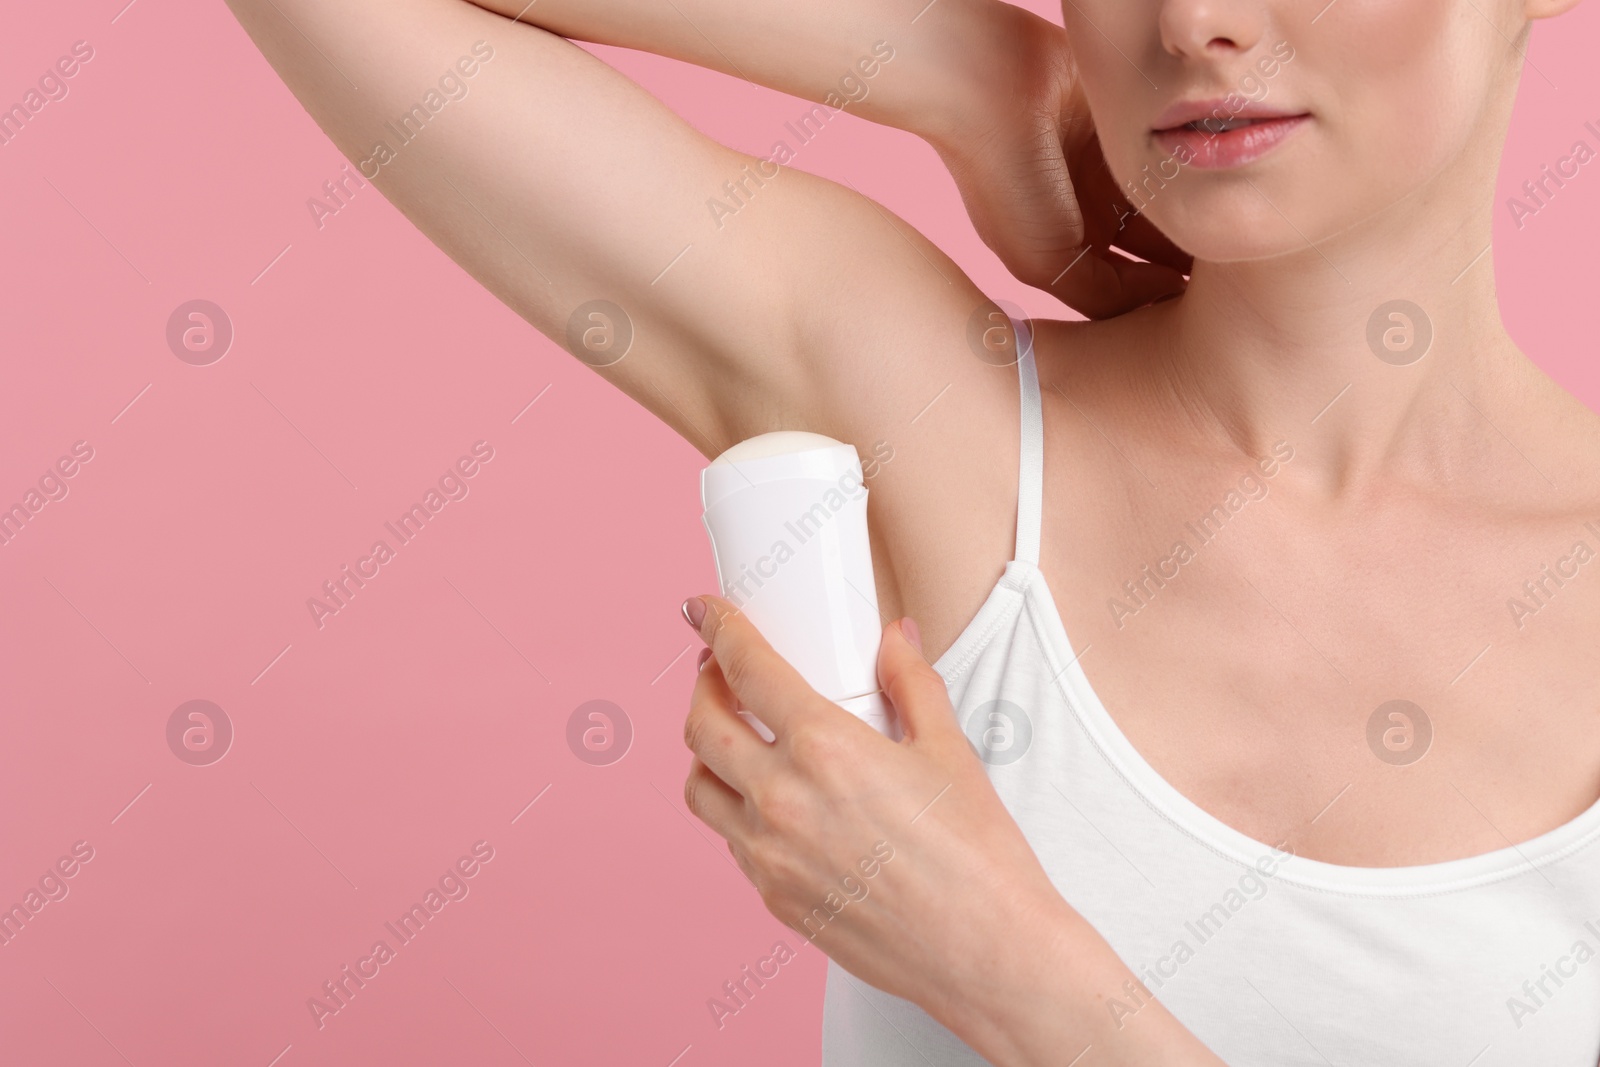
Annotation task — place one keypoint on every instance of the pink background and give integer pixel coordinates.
(371, 753)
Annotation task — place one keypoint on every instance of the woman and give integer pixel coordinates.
(1314, 779)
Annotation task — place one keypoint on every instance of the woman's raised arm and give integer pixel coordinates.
(991, 87)
(744, 296)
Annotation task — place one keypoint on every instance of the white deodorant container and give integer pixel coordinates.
(787, 515)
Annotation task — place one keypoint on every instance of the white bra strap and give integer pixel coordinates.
(1030, 481)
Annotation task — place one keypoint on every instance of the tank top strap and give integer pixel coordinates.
(1030, 478)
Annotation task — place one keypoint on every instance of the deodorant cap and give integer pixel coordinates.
(775, 456)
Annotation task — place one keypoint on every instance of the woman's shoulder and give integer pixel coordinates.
(1554, 435)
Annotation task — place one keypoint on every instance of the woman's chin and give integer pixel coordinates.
(1234, 240)
(1250, 221)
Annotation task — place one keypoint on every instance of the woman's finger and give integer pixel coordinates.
(761, 680)
(921, 701)
(1140, 237)
(718, 737)
(1111, 219)
(1067, 252)
(1100, 284)
(715, 803)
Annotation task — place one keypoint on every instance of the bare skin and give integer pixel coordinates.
(1337, 591)
(1380, 562)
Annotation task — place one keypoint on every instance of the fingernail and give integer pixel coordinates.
(705, 654)
(908, 626)
(694, 612)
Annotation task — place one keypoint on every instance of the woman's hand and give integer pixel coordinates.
(899, 860)
(1028, 163)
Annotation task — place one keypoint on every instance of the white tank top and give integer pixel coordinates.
(1272, 960)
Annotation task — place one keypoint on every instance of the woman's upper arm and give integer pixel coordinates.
(559, 183)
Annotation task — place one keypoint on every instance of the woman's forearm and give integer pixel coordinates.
(1048, 993)
(925, 71)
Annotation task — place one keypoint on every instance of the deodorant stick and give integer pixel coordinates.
(787, 516)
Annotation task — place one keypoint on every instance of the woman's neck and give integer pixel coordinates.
(1317, 348)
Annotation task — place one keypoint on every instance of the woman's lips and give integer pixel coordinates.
(1229, 148)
